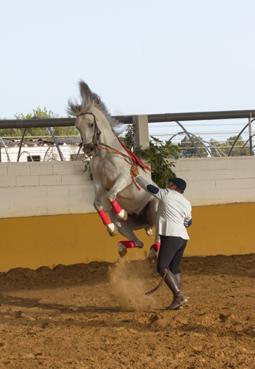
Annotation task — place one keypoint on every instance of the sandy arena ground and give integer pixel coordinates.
(97, 316)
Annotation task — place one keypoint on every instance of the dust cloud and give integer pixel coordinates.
(128, 284)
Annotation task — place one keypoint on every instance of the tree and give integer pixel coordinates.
(40, 113)
(223, 148)
(159, 155)
(193, 147)
(239, 149)
(216, 148)
(37, 113)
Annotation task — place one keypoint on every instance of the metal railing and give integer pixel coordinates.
(197, 143)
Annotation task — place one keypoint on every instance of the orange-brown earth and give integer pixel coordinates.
(97, 316)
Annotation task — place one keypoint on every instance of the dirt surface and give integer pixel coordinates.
(97, 316)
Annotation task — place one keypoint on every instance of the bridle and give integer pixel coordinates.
(99, 145)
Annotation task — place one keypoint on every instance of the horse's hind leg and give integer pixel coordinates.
(150, 214)
(153, 253)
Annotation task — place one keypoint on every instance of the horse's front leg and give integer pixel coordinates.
(119, 185)
(126, 228)
(111, 227)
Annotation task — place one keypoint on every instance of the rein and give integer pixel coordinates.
(126, 157)
(133, 159)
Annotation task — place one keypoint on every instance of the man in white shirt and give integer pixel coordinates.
(174, 216)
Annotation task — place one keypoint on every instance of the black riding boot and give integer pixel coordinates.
(172, 282)
(178, 280)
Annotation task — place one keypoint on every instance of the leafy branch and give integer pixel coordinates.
(160, 155)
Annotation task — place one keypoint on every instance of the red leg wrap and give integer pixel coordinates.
(116, 206)
(128, 244)
(106, 220)
(156, 246)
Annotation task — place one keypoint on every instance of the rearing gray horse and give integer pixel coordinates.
(121, 204)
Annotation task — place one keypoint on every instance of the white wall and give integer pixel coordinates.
(28, 189)
(218, 180)
(44, 188)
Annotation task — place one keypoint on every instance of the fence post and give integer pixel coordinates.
(141, 131)
(250, 134)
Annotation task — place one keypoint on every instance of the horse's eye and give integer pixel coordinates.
(91, 125)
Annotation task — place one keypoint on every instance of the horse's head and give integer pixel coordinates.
(86, 114)
(87, 125)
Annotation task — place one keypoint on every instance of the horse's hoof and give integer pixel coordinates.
(149, 231)
(122, 214)
(112, 229)
(122, 250)
(152, 256)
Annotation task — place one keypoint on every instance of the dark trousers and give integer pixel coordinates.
(170, 254)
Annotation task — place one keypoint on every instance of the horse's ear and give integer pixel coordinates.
(86, 95)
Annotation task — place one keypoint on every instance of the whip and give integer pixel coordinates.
(150, 292)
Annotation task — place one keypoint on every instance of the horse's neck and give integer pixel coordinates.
(110, 139)
(107, 136)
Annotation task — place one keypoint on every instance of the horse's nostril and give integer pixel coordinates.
(88, 148)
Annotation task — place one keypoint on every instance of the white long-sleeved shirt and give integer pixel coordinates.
(173, 212)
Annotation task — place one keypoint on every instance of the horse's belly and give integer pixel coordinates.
(133, 200)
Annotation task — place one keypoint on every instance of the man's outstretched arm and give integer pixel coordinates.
(148, 186)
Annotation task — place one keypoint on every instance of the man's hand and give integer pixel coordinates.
(134, 170)
(187, 223)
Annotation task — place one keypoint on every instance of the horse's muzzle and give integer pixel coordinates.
(88, 148)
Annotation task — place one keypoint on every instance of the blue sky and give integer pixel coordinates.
(140, 56)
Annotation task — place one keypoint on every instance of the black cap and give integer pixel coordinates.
(180, 183)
